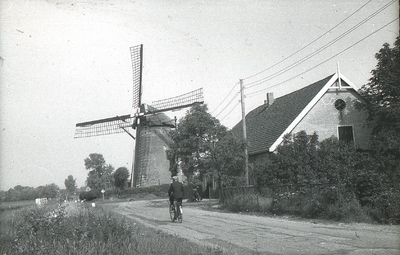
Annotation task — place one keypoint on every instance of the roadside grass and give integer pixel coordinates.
(76, 228)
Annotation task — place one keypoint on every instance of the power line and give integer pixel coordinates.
(255, 92)
(225, 97)
(251, 76)
(233, 98)
(230, 111)
(289, 56)
(284, 70)
(253, 84)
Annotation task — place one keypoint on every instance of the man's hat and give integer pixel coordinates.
(175, 177)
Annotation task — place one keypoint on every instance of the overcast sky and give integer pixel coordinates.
(63, 62)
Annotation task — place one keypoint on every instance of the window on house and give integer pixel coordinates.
(346, 133)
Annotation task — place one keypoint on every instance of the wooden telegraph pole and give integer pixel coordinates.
(246, 161)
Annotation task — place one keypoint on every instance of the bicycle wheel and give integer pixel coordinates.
(180, 217)
(171, 212)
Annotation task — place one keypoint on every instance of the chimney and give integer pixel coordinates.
(270, 99)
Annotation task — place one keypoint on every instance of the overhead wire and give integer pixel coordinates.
(230, 111)
(302, 48)
(286, 69)
(256, 92)
(233, 98)
(225, 97)
(287, 58)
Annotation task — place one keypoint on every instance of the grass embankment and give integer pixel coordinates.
(82, 229)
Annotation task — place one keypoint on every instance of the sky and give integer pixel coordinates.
(63, 62)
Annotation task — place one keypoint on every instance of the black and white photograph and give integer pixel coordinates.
(199, 127)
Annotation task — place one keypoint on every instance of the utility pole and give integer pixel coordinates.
(246, 161)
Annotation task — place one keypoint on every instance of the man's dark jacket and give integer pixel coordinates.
(176, 188)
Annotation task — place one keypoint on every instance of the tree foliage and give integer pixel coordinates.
(70, 184)
(383, 96)
(324, 178)
(228, 156)
(202, 146)
(19, 192)
(383, 90)
(100, 173)
(95, 162)
(121, 176)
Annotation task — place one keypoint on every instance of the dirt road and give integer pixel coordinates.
(246, 234)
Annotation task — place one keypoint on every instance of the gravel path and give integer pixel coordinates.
(247, 234)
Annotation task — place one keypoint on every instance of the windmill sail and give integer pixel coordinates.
(182, 101)
(106, 126)
(137, 63)
(149, 168)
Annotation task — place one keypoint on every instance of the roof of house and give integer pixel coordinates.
(267, 123)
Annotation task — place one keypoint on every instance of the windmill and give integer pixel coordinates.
(145, 118)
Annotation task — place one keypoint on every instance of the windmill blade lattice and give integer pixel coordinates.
(106, 126)
(137, 61)
(144, 118)
(182, 101)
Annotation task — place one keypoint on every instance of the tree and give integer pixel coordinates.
(70, 184)
(121, 176)
(50, 190)
(295, 162)
(29, 193)
(201, 146)
(383, 96)
(383, 105)
(228, 159)
(99, 176)
(95, 162)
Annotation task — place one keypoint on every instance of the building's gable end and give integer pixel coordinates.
(337, 82)
(267, 122)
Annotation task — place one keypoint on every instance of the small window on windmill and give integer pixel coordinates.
(346, 133)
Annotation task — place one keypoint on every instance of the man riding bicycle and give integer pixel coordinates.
(175, 192)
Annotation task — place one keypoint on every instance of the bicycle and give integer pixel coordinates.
(172, 211)
(196, 195)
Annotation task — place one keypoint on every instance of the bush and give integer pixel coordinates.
(89, 195)
(329, 179)
(328, 203)
(245, 200)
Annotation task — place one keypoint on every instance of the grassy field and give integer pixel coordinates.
(82, 229)
(15, 205)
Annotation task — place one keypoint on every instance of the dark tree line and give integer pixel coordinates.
(19, 193)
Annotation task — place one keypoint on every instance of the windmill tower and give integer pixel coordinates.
(151, 124)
